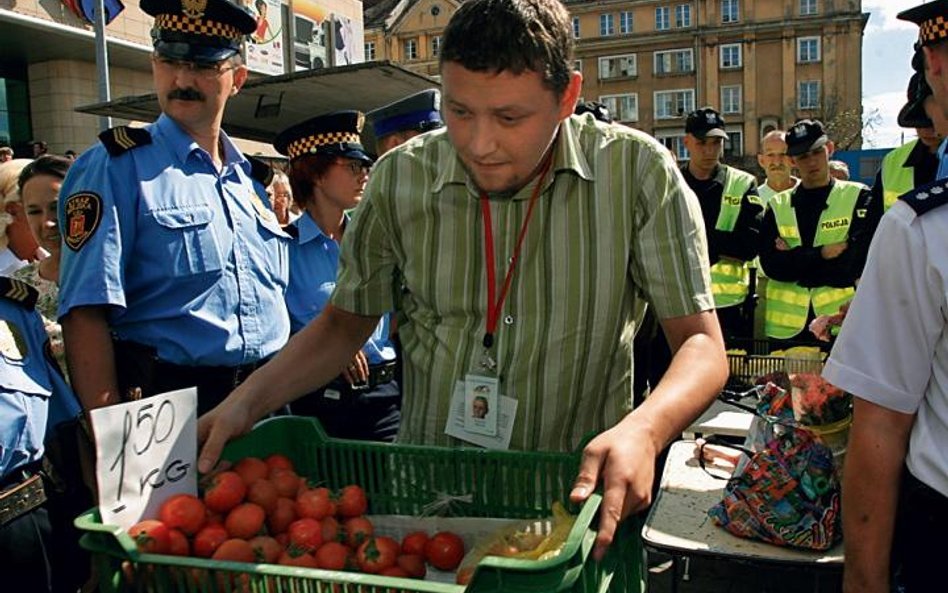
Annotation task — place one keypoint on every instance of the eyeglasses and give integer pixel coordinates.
(357, 168)
(203, 70)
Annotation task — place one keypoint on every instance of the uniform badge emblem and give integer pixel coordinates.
(83, 215)
(12, 343)
(193, 9)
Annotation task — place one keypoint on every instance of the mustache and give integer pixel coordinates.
(187, 94)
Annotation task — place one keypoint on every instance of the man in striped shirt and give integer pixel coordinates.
(584, 222)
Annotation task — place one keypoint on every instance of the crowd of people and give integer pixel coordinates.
(499, 256)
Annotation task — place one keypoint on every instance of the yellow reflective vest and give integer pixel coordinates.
(789, 303)
(897, 179)
(730, 278)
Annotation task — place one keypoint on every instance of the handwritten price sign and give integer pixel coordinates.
(145, 453)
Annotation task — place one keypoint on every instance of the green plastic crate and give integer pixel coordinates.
(398, 480)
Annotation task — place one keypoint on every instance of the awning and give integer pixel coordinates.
(266, 106)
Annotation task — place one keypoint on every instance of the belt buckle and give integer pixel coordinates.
(21, 499)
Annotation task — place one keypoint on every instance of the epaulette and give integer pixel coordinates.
(260, 171)
(927, 197)
(19, 292)
(121, 139)
(292, 230)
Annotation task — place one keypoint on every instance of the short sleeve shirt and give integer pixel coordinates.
(893, 348)
(614, 227)
(188, 258)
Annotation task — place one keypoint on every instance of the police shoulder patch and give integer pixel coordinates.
(927, 197)
(121, 139)
(83, 215)
(18, 291)
(260, 171)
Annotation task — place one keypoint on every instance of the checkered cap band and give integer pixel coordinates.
(933, 30)
(309, 144)
(183, 24)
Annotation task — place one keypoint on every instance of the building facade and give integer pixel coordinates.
(762, 63)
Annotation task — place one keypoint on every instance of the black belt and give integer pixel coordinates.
(378, 374)
(21, 491)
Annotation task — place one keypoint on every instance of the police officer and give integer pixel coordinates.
(731, 209)
(328, 171)
(174, 270)
(813, 239)
(914, 163)
(36, 543)
(405, 118)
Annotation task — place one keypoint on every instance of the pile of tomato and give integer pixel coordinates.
(262, 511)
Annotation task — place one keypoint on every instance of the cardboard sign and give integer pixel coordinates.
(145, 453)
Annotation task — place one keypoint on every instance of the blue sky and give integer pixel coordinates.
(886, 69)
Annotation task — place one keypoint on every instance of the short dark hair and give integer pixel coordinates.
(515, 35)
(48, 164)
(303, 173)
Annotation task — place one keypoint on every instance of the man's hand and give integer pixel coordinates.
(781, 245)
(624, 460)
(357, 372)
(833, 250)
(230, 419)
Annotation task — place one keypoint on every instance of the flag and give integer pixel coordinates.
(87, 9)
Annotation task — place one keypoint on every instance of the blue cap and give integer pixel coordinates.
(335, 133)
(420, 112)
(205, 31)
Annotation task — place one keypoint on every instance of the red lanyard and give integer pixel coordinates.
(494, 307)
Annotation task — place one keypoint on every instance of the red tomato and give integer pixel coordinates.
(293, 557)
(252, 469)
(226, 491)
(331, 530)
(178, 544)
(266, 549)
(151, 536)
(315, 504)
(445, 550)
(306, 534)
(285, 513)
(184, 512)
(279, 461)
(352, 501)
(414, 543)
(235, 550)
(333, 556)
(208, 539)
(394, 571)
(286, 481)
(245, 520)
(264, 493)
(376, 554)
(357, 530)
(413, 564)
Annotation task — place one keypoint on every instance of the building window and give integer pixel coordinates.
(369, 51)
(662, 18)
(625, 22)
(683, 15)
(674, 61)
(607, 25)
(808, 50)
(624, 66)
(672, 104)
(676, 144)
(436, 46)
(578, 66)
(734, 147)
(411, 49)
(575, 27)
(808, 94)
(808, 7)
(730, 11)
(731, 55)
(731, 99)
(623, 108)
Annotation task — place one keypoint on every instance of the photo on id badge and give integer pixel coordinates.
(480, 405)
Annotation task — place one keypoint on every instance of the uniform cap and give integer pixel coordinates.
(932, 21)
(804, 136)
(597, 109)
(912, 114)
(420, 112)
(205, 31)
(705, 122)
(335, 133)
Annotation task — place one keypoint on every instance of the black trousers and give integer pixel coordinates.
(26, 557)
(371, 414)
(918, 547)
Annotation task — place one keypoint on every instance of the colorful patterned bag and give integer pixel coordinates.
(787, 494)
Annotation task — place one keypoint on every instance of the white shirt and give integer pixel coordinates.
(766, 192)
(893, 347)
